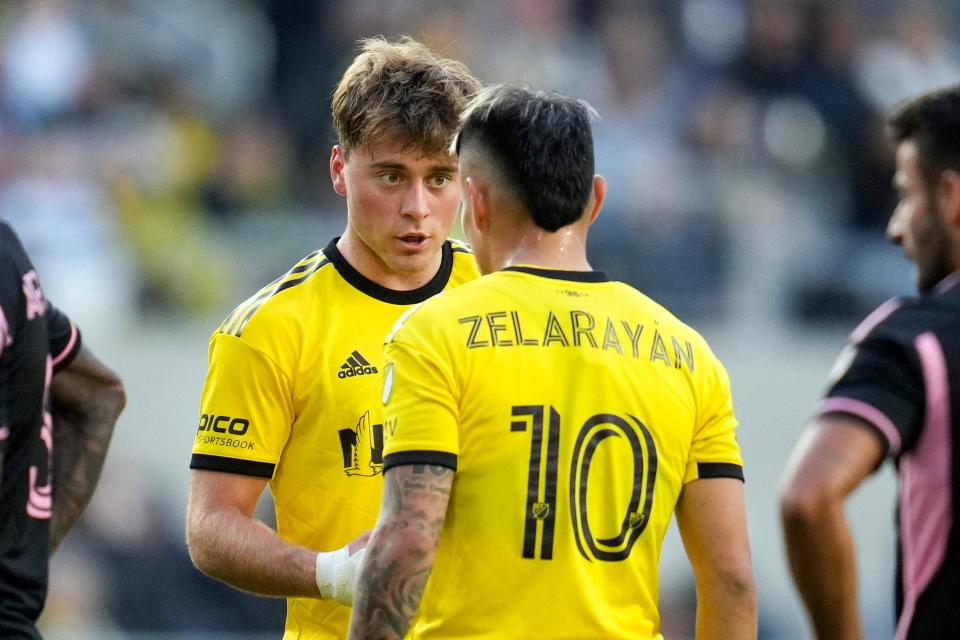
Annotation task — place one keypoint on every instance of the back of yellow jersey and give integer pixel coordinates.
(574, 410)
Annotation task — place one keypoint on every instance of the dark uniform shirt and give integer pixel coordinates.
(35, 341)
(901, 376)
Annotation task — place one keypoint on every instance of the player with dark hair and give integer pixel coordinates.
(895, 393)
(58, 407)
(543, 424)
(292, 394)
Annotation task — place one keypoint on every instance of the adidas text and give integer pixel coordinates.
(356, 371)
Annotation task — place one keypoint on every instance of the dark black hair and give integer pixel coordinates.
(932, 122)
(543, 144)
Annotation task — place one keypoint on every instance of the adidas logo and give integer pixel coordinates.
(356, 365)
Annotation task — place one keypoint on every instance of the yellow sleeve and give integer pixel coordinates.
(715, 452)
(246, 411)
(420, 404)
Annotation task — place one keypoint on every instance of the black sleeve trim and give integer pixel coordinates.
(67, 358)
(859, 421)
(232, 465)
(719, 470)
(441, 458)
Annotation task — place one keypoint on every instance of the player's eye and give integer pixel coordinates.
(439, 180)
(389, 178)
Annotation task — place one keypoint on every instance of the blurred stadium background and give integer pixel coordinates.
(162, 159)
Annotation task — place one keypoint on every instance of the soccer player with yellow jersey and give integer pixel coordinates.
(542, 424)
(292, 395)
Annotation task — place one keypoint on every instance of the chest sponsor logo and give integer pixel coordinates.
(362, 448)
(356, 365)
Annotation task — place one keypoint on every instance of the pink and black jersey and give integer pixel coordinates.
(35, 340)
(901, 377)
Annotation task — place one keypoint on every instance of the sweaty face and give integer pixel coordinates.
(915, 224)
(400, 208)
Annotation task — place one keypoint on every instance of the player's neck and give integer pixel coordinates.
(376, 269)
(564, 249)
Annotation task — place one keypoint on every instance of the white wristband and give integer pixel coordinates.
(337, 573)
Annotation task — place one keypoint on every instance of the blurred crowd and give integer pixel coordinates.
(149, 148)
(136, 137)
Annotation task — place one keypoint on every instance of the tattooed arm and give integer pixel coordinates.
(86, 399)
(401, 552)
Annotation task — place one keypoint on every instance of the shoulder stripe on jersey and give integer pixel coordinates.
(459, 246)
(441, 458)
(232, 465)
(719, 470)
(230, 323)
(877, 316)
(237, 320)
(947, 283)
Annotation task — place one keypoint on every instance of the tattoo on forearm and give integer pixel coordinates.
(400, 556)
(80, 451)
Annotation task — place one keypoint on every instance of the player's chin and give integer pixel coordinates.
(412, 263)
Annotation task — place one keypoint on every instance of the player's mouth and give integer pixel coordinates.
(413, 240)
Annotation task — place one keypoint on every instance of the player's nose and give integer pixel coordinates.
(416, 201)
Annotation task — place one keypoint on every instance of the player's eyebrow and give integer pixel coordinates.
(440, 167)
(387, 165)
(445, 167)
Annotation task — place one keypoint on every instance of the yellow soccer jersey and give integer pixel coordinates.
(574, 409)
(293, 394)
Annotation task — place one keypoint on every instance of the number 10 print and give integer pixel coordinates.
(541, 508)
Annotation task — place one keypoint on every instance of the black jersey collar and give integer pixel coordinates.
(947, 283)
(557, 274)
(364, 284)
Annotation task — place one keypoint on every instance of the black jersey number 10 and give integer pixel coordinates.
(540, 514)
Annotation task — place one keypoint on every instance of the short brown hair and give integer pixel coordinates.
(401, 89)
(932, 122)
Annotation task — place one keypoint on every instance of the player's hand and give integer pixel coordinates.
(337, 571)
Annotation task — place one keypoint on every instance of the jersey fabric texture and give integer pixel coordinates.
(574, 409)
(293, 394)
(36, 340)
(900, 375)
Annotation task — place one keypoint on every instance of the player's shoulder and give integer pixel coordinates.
(459, 246)
(281, 304)
(464, 267)
(900, 319)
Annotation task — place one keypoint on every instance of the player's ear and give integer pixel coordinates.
(338, 162)
(479, 203)
(595, 203)
(948, 196)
